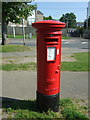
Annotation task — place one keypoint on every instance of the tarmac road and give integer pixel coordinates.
(74, 42)
(23, 84)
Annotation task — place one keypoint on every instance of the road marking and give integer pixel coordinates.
(84, 42)
(66, 42)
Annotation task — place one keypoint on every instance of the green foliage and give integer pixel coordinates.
(13, 11)
(26, 109)
(71, 110)
(69, 19)
(48, 18)
(31, 114)
(72, 114)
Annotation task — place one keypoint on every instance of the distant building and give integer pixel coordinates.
(39, 16)
(88, 10)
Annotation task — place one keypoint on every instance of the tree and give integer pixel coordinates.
(48, 18)
(69, 19)
(87, 23)
(13, 12)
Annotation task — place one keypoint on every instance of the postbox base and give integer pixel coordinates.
(47, 102)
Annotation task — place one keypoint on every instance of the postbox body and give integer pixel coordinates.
(48, 62)
(48, 56)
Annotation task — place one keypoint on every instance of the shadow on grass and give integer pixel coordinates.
(17, 104)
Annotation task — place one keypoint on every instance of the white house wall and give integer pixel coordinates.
(31, 19)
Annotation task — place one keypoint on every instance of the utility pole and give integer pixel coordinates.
(23, 31)
(13, 27)
(67, 28)
(87, 19)
(36, 13)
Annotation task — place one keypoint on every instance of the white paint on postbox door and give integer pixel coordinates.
(51, 53)
(57, 51)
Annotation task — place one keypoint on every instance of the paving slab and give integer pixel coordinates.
(23, 84)
(16, 54)
(66, 57)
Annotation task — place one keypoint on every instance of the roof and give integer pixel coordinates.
(39, 12)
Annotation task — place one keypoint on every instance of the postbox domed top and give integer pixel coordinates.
(47, 24)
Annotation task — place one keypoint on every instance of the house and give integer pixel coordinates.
(39, 16)
(36, 16)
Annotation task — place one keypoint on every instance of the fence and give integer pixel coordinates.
(30, 29)
(18, 30)
(0, 29)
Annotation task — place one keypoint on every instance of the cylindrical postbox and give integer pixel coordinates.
(48, 64)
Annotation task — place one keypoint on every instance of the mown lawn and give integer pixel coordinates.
(33, 37)
(80, 65)
(18, 67)
(19, 36)
(14, 48)
(63, 37)
(69, 110)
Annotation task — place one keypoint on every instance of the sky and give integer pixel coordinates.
(56, 9)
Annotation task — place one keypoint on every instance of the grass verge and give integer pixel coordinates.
(14, 48)
(15, 67)
(69, 110)
(33, 37)
(16, 36)
(63, 37)
(0, 35)
(80, 65)
(20, 36)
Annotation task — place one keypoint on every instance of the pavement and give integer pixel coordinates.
(33, 52)
(23, 84)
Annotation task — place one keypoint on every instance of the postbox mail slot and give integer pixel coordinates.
(51, 40)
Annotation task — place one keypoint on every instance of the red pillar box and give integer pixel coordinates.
(48, 64)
